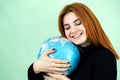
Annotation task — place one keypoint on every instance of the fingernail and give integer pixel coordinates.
(53, 49)
(68, 62)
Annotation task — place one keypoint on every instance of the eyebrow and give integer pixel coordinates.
(73, 22)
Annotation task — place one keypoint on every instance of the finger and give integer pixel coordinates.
(51, 74)
(56, 69)
(48, 52)
(49, 78)
(56, 72)
(58, 61)
(60, 69)
(62, 65)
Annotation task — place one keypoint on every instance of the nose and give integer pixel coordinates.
(73, 30)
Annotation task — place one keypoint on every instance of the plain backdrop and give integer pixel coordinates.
(25, 24)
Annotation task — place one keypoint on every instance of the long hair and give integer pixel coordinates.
(93, 28)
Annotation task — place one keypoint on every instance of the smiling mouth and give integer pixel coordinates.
(77, 35)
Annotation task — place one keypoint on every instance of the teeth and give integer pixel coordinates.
(75, 36)
(78, 35)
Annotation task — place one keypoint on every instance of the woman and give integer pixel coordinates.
(78, 24)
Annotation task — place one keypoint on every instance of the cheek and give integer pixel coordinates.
(67, 33)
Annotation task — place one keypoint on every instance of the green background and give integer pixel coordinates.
(25, 24)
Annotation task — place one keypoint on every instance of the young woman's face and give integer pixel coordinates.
(74, 30)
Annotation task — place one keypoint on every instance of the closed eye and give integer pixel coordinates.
(77, 22)
(66, 26)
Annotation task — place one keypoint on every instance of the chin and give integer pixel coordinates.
(77, 43)
(80, 43)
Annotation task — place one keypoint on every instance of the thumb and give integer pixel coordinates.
(48, 52)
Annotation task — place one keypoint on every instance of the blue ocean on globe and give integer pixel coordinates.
(65, 50)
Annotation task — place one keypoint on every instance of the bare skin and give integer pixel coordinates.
(50, 65)
(56, 77)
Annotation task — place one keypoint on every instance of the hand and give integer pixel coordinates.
(50, 65)
(51, 76)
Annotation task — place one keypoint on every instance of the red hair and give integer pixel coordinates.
(93, 28)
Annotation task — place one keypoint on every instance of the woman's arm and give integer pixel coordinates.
(32, 75)
(46, 65)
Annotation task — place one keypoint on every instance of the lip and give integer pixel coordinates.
(76, 36)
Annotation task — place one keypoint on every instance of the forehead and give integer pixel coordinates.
(69, 18)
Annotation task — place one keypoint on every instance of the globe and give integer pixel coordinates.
(65, 50)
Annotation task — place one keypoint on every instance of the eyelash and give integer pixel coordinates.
(69, 26)
(78, 23)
